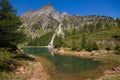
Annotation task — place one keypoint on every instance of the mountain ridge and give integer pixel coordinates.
(47, 19)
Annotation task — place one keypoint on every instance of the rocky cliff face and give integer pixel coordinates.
(80, 21)
(47, 18)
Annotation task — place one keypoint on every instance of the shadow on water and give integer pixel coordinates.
(67, 67)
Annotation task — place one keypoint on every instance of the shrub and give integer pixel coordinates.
(83, 41)
(7, 62)
(73, 47)
(107, 48)
(91, 46)
(117, 49)
(116, 37)
(58, 42)
(79, 48)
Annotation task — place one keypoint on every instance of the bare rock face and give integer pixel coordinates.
(47, 10)
(47, 18)
(64, 14)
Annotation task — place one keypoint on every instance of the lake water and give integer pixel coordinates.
(36, 50)
(66, 67)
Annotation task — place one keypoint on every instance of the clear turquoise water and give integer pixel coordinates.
(65, 65)
(36, 50)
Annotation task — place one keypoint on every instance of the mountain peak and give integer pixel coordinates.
(49, 4)
(47, 7)
(64, 14)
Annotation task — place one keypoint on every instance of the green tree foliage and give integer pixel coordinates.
(83, 41)
(7, 59)
(66, 33)
(42, 40)
(89, 28)
(74, 46)
(58, 42)
(117, 49)
(74, 31)
(6, 7)
(98, 25)
(108, 48)
(107, 26)
(90, 46)
(116, 37)
(10, 34)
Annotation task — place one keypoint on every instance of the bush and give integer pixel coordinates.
(107, 48)
(73, 47)
(90, 46)
(117, 49)
(83, 41)
(7, 62)
(58, 42)
(79, 48)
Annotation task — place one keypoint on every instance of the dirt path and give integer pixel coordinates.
(33, 70)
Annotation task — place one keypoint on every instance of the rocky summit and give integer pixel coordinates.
(47, 18)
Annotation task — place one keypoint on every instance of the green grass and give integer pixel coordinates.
(104, 34)
(5, 75)
(40, 32)
(113, 77)
(97, 36)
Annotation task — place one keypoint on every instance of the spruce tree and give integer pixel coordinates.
(10, 33)
(83, 41)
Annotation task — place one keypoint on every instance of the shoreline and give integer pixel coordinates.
(84, 54)
(97, 55)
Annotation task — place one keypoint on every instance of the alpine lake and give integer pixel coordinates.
(64, 67)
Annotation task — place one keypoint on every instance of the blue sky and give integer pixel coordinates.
(72, 7)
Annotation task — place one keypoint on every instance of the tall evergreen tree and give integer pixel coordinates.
(83, 41)
(10, 33)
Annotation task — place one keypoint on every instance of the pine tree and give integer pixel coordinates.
(10, 33)
(73, 47)
(91, 45)
(58, 42)
(83, 41)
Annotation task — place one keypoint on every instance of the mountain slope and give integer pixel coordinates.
(47, 19)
